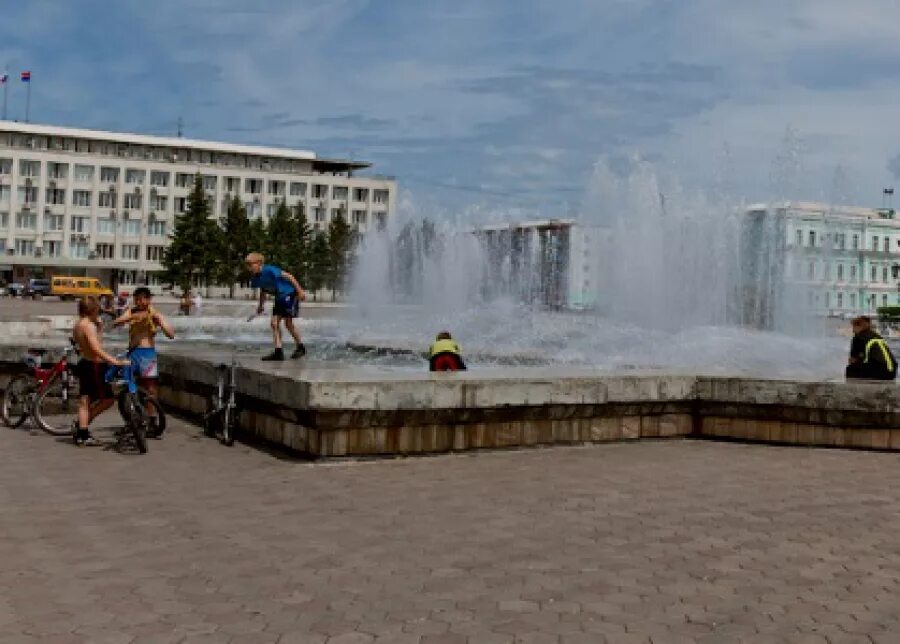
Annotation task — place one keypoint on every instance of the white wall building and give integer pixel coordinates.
(89, 202)
(843, 259)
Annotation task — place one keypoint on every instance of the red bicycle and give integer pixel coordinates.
(47, 395)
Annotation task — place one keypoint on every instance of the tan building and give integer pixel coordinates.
(89, 202)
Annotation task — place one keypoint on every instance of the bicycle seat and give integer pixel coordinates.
(37, 352)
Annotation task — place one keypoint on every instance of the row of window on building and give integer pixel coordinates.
(823, 271)
(849, 300)
(839, 241)
(81, 249)
(152, 152)
(104, 225)
(161, 179)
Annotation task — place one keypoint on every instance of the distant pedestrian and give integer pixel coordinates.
(444, 354)
(184, 304)
(197, 303)
(870, 356)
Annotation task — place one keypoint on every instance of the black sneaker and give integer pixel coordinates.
(153, 428)
(299, 352)
(277, 354)
(83, 438)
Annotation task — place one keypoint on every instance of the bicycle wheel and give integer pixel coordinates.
(54, 408)
(17, 400)
(147, 400)
(135, 418)
(228, 421)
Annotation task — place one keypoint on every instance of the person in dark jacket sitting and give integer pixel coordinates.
(870, 356)
(444, 354)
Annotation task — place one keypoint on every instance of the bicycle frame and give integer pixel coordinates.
(46, 376)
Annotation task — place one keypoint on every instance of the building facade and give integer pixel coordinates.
(841, 260)
(89, 202)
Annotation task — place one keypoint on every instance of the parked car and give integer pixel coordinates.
(15, 289)
(37, 288)
(68, 288)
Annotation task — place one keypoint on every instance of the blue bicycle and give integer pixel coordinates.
(132, 405)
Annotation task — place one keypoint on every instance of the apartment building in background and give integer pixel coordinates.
(90, 202)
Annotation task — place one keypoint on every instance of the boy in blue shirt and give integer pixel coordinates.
(286, 290)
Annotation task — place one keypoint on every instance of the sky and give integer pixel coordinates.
(493, 104)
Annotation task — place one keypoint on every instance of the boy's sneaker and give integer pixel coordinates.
(153, 428)
(299, 352)
(83, 438)
(277, 354)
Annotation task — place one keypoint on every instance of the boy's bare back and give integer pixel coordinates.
(87, 338)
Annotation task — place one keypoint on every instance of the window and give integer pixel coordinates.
(337, 213)
(840, 300)
(132, 201)
(298, 189)
(874, 273)
(320, 191)
(209, 182)
(134, 176)
(884, 300)
(156, 228)
(253, 209)
(79, 250)
(253, 186)
(183, 180)
(131, 228)
(362, 194)
(84, 173)
(276, 188)
(26, 221)
(29, 168)
(180, 205)
(53, 223)
(80, 225)
(4, 220)
(359, 217)
(106, 226)
(24, 247)
(131, 252)
(55, 196)
(81, 198)
(381, 196)
(107, 200)
(159, 202)
(887, 244)
(840, 272)
(28, 196)
(855, 242)
(158, 178)
(339, 192)
(106, 251)
(319, 214)
(5, 194)
(853, 300)
(875, 242)
(826, 270)
(884, 274)
(232, 184)
(52, 248)
(109, 175)
(6, 166)
(827, 299)
(842, 241)
(57, 170)
(155, 253)
(812, 233)
(852, 273)
(381, 220)
(270, 209)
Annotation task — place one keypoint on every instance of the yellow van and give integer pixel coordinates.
(68, 288)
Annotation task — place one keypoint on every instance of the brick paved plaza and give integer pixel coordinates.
(661, 542)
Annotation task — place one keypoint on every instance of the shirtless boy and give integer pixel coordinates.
(143, 323)
(95, 395)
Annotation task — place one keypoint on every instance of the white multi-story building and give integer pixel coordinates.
(89, 202)
(839, 259)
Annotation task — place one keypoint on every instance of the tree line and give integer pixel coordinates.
(211, 253)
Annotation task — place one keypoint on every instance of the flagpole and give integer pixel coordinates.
(28, 100)
(5, 92)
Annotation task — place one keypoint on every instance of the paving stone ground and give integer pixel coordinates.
(662, 542)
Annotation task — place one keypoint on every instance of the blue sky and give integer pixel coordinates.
(497, 103)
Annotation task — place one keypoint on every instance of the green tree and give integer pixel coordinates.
(235, 244)
(339, 238)
(317, 263)
(279, 233)
(298, 248)
(196, 241)
(258, 236)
